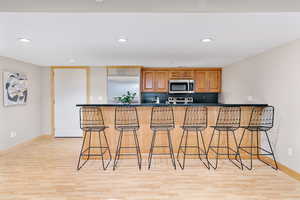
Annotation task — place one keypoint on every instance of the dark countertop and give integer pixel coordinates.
(163, 104)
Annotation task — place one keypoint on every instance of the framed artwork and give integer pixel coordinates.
(15, 88)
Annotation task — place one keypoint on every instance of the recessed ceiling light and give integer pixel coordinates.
(122, 40)
(207, 40)
(71, 60)
(25, 40)
(99, 1)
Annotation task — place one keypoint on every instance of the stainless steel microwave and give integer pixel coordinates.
(181, 86)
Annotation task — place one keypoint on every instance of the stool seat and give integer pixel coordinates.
(193, 128)
(224, 128)
(162, 127)
(95, 128)
(127, 128)
(257, 128)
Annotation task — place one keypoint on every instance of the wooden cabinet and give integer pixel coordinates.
(181, 75)
(148, 81)
(161, 81)
(208, 81)
(155, 81)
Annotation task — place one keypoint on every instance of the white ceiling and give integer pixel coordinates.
(153, 39)
(150, 6)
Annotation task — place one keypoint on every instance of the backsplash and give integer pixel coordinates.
(147, 97)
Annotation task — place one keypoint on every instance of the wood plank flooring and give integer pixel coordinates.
(46, 170)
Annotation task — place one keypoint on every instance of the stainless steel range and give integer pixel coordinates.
(180, 100)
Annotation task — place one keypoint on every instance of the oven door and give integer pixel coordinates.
(178, 86)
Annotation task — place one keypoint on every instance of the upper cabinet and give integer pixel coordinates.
(161, 81)
(208, 81)
(181, 75)
(155, 81)
(148, 81)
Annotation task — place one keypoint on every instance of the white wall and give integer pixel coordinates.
(98, 85)
(23, 119)
(46, 101)
(272, 77)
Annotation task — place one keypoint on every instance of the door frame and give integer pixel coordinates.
(52, 95)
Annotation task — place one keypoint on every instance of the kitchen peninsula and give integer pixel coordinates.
(144, 115)
(177, 87)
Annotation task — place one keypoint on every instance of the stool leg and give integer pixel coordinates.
(118, 149)
(151, 149)
(257, 149)
(100, 143)
(184, 152)
(210, 147)
(238, 152)
(90, 138)
(138, 151)
(251, 155)
(204, 148)
(272, 153)
(81, 151)
(180, 147)
(241, 140)
(171, 150)
(251, 147)
(107, 145)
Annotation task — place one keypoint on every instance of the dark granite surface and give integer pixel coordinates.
(163, 104)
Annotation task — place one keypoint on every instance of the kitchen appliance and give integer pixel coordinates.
(184, 100)
(181, 86)
(156, 99)
(121, 80)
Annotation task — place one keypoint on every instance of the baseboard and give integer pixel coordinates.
(22, 144)
(283, 168)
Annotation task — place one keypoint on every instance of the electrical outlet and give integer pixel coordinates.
(13, 134)
(250, 98)
(290, 151)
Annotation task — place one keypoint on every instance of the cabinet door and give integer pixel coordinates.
(214, 81)
(148, 81)
(161, 81)
(201, 81)
(181, 74)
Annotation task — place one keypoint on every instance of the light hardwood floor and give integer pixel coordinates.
(46, 170)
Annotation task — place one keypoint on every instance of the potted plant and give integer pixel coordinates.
(127, 98)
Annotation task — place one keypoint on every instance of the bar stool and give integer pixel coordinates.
(195, 121)
(91, 121)
(228, 121)
(162, 120)
(126, 120)
(261, 120)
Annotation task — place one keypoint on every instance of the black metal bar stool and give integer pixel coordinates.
(162, 120)
(228, 121)
(126, 120)
(91, 121)
(261, 121)
(195, 121)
